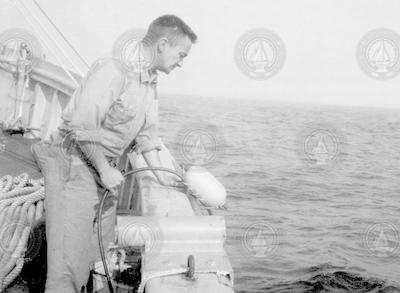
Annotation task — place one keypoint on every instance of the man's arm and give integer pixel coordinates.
(152, 159)
(149, 145)
(95, 94)
(109, 176)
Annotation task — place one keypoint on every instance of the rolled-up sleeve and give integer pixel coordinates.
(147, 138)
(92, 100)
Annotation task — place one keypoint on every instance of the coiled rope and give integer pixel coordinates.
(21, 206)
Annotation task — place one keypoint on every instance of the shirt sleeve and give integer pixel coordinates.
(92, 100)
(147, 138)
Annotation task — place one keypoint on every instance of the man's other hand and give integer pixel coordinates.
(111, 177)
(170, 181)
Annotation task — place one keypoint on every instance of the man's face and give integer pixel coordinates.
(171, 55)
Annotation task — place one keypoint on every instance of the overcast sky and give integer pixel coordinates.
(320, 37)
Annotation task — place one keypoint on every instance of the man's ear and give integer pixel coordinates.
(161, 44)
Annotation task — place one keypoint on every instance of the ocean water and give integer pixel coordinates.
(313, 191)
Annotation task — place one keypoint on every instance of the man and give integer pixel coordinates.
(113, 107)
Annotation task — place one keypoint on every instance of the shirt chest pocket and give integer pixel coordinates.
(118, 114)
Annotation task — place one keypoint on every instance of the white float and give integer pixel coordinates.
(205, 187)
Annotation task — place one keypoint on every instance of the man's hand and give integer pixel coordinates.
(111, 177)
(170, 181)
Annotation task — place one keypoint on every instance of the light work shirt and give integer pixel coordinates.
(113, 109)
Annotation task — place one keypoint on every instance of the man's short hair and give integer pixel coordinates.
(171, 27)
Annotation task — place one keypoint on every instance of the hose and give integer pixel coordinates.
(99, 212)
